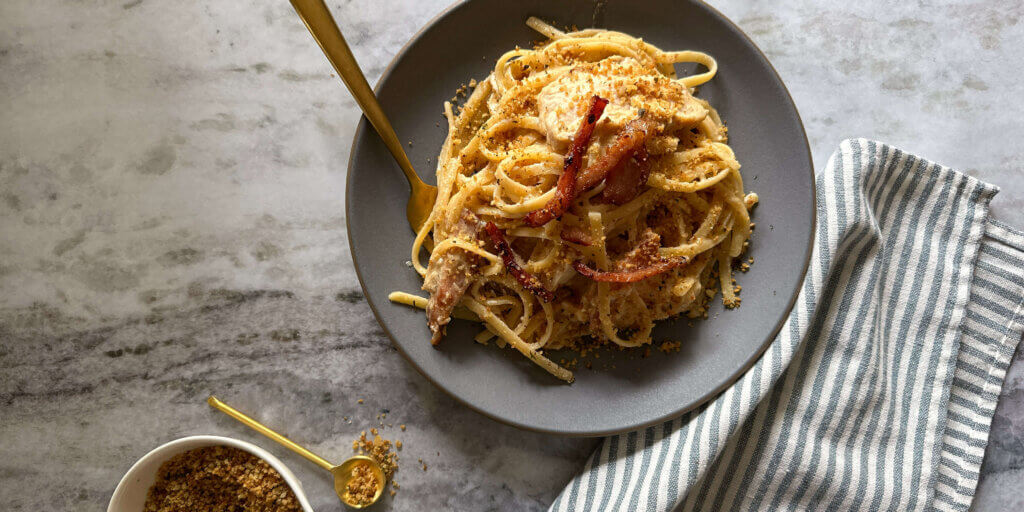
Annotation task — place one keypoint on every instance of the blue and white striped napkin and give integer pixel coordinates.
(879, 391)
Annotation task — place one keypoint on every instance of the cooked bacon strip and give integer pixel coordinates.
(638, 264)
(643, 253)
(624, 182)
(565, 191)
(449, 276)
(508, 256)
(630, 139)
(628, 276)
(576, 235)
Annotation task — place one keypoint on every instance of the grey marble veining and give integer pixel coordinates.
(171, 225)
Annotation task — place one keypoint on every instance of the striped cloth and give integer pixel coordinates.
(879, 391)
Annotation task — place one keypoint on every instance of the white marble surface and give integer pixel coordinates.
(171, 225)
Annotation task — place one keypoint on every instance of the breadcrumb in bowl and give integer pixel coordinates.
(130, 494)
(219, 477)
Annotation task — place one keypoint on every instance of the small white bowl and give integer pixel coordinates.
(130, 495)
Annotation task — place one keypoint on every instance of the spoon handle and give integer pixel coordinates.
(262, 429)
(321, 24)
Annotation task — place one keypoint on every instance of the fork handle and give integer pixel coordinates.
(318, 20)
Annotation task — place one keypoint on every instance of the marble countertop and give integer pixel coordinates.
(171, 184)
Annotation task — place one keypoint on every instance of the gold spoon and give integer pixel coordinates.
(321, 24)
(342, 472)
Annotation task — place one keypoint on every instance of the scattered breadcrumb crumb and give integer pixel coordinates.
(670, 346)
(379, 449)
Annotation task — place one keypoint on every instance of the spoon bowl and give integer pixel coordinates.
(343, 474)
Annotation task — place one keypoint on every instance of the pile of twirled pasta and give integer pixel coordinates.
(584, 193)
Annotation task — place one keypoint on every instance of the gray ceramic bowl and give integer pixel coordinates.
(765, 131)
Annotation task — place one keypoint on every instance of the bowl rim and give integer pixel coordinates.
(167, 450)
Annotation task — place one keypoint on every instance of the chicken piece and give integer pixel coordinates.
(643, 254)
(449, 276)
(642, 262)
(630, 87)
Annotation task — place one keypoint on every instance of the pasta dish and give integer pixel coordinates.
(584, 193)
